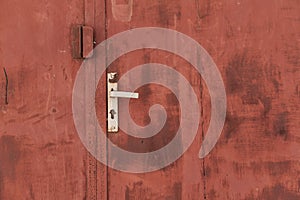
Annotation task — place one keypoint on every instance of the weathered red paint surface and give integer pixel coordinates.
(41, 156)
(255, 45)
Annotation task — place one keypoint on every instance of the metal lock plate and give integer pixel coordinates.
(112, 102)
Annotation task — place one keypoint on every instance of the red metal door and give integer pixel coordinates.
(41, 156)
(183, 179)
(255, 45)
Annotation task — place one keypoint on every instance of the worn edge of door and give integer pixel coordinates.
(96, 172)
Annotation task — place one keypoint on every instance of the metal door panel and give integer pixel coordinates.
(41, 156)
(254, 44)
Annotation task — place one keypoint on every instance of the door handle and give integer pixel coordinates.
(112, 102)
(121, 94)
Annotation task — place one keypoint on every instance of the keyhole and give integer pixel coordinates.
(112, 113)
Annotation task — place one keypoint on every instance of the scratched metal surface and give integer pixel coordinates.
(255, 45)
(41, 156)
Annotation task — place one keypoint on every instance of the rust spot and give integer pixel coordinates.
(146, 91)
(276, 85)
(166, 12)
(203, 8)
(138, 190)
(267, 102)
(292, 53)
(208, 171)
(275, 192)
(177, 191)
(145, 94)
(279, 168)
(225, 183)
(231, 125)
(31, 193)
(212, 194)
(273, 168)
(242, 70)
(127, 193)
(163, 14)
(9, 155)
(177, 188)
(65, 75)
(171, 99)
(48, 145)
(53, 110)
(253, 80)
(147, 57)
(249, 99)
(280, 125)
(229, 29)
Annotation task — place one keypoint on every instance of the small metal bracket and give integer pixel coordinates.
(82, 41)
(112, 102)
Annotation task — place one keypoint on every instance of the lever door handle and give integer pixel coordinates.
(121, 94)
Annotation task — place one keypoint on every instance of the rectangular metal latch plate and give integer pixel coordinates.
(82, 41)
(112, 104)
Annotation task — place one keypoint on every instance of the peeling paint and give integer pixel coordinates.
(122, 12)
